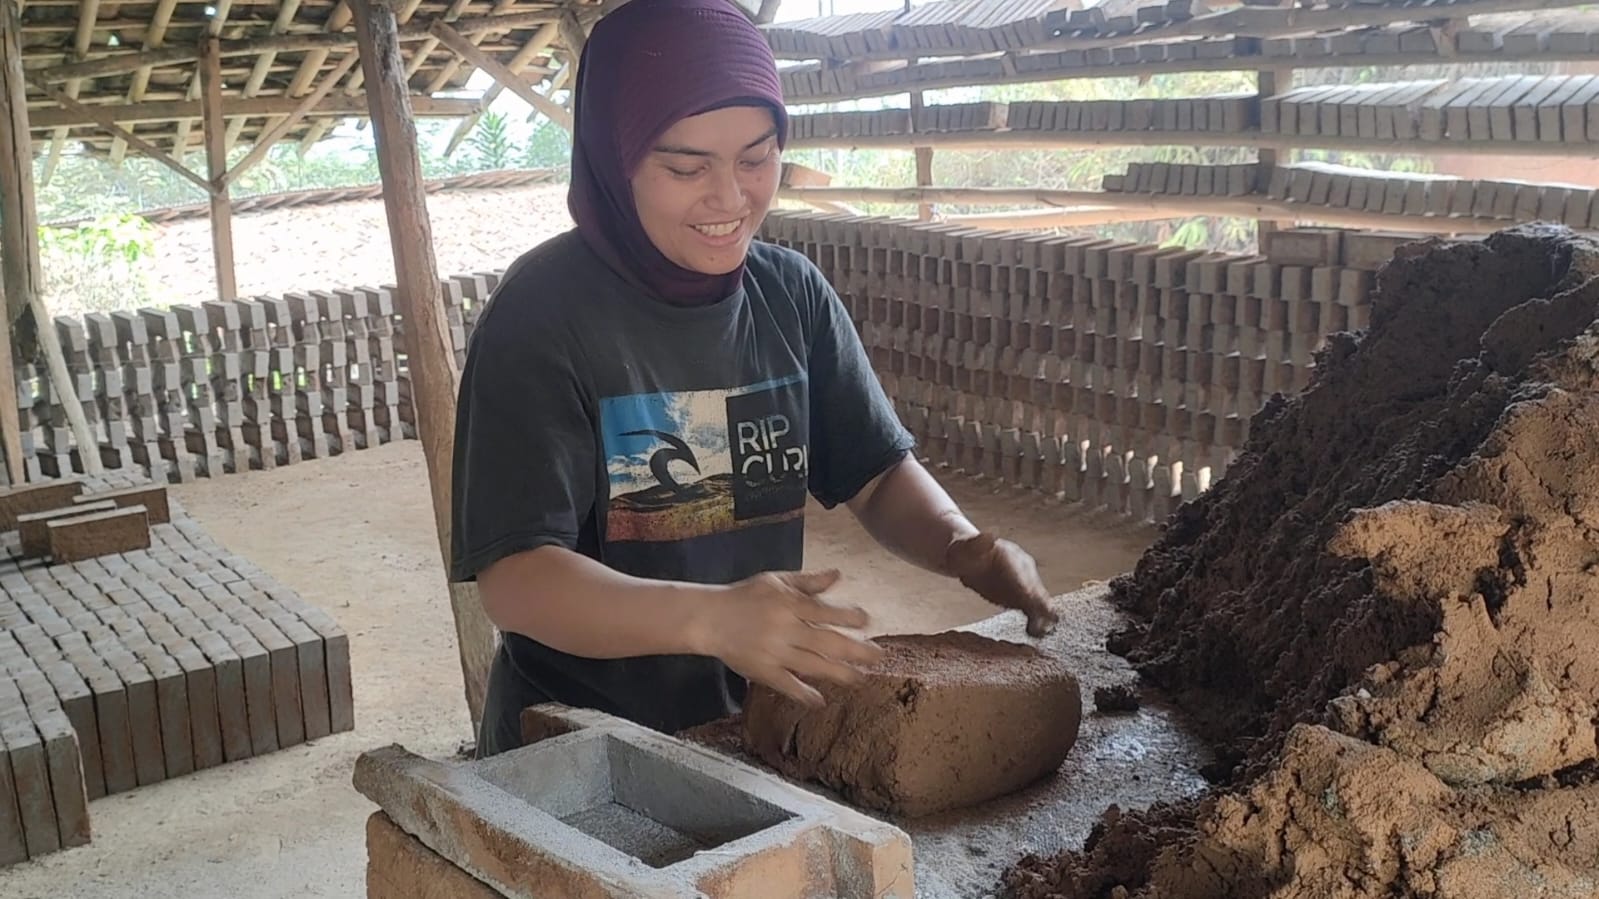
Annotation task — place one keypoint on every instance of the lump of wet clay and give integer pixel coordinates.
(944, 721)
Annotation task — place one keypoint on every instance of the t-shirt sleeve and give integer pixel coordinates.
(856, 433)
(524, 460)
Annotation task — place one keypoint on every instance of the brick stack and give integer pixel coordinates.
(1118, 375)
(126, 668)
(196, 391)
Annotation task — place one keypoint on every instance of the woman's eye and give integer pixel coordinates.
(756, 163)
(682, 174)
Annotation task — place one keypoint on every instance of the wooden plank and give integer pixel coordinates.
(434, 378)
(217, 165)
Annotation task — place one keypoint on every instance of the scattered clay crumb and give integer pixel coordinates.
(1383, 616)
(1120, 698)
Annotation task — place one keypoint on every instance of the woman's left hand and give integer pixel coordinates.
(1004, 574)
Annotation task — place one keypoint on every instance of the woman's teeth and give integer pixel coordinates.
(721, 230)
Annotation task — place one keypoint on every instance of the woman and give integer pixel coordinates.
(649, 399)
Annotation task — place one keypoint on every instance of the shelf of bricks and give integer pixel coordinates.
(1122, 375)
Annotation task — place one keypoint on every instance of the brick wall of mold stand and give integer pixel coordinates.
(1116, 374)
(1119, 375)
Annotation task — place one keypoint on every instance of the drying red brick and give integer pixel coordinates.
(1383, 616)
(99, 533)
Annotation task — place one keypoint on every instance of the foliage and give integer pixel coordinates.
(97, 267)
(491, 143)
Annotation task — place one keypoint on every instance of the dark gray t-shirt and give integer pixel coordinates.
(666, 442)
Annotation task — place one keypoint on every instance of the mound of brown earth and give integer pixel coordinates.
(943, 721)
(1384, 616)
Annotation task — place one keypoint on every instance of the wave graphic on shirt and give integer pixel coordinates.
(694, 463)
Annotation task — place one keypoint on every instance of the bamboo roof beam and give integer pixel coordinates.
(153, 38)
(501, 74)
(536, 45)
(233, 107)
(210, 60)
(132, 61)
(88, 12)
(453, 64)
(263, 65)
(264, 143)
(128, 137)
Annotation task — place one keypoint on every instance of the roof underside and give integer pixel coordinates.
(274, 53)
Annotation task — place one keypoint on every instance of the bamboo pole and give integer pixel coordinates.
(1177, 205)
(1064, 217)
(434, 378)
(1015, 140)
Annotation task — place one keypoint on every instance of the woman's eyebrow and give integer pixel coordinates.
(692, 151)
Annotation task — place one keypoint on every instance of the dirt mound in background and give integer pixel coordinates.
(1384, 615)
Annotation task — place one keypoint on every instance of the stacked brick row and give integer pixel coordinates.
(1556, 109)
(1115, 374)
(195, 391)
(131, 668)
(1395, 193)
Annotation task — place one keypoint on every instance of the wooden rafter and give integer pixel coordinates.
(264, 144)
(540, 41)
(170, 110)
(110, 124)
(501, 74)
(88, 13)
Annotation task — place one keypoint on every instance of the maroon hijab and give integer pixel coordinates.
(647, 65)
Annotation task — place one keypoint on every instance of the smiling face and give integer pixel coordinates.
(706, 185)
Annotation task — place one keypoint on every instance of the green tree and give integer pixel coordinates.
(491, 143)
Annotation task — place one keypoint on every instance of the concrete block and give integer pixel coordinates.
(608, 808)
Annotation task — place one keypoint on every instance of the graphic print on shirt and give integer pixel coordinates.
(694, 463)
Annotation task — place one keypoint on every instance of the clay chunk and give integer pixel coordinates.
(944, 721)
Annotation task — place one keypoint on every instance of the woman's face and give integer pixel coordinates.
(706, 185)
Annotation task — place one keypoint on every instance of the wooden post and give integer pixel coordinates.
(24, 278)
(19, 237)
(434, 378)
(1269, 83)
(216, 161)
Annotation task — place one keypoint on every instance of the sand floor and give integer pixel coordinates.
(353, 534)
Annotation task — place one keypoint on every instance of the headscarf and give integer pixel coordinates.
(646, 66)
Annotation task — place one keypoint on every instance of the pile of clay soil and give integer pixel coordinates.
(1384, 617)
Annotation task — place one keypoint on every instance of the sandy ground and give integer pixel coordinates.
(354, 535)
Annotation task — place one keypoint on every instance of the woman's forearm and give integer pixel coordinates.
(909, 513)
(578, 606)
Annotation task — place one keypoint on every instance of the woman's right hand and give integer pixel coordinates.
(776, 629)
